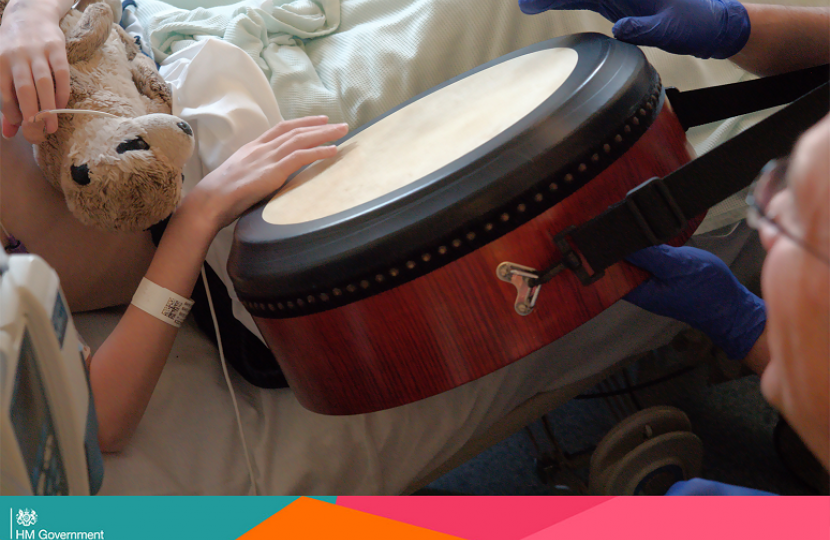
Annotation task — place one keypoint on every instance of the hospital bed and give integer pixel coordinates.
(362, 58)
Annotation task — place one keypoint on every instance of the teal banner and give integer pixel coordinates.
(135, 518)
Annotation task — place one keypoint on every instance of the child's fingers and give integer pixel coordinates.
(45, 92)
(34, 132)
(284, 127)
(24, 89)
(10, 107)
(307, 137)
(9, 130)
(293, 161)
(269, 175)
(60, 70)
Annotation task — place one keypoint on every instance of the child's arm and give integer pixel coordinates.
(125, 369)
(34, 73)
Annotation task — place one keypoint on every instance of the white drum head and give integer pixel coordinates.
(423, 137)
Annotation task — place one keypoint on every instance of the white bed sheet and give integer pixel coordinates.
(188, 443)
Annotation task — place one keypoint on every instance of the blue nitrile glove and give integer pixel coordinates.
(696, 287)
(702, 28)
(699, 486)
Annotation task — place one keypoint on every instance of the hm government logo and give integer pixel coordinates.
(26, 517)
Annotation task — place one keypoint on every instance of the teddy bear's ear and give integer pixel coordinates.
(89, 34)
(115, 6)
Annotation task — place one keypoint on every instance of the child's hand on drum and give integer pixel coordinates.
(262, 166)
(702, 28)
(34, 72)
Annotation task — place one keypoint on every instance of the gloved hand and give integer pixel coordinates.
(702, 28)
(696, 287)
(699, 486)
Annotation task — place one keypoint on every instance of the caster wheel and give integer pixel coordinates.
(645, 454)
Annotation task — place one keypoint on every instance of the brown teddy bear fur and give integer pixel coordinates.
(117, 174)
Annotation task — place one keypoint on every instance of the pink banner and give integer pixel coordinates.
(698, 518)
(476, 518)
(620, 518)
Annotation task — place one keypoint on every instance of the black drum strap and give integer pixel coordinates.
(706, 105)
(658, 210)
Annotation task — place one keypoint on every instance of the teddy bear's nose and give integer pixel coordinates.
(184, 126)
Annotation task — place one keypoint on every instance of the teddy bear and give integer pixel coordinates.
(117, 157)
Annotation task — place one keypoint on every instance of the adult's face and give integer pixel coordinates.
(796, 287)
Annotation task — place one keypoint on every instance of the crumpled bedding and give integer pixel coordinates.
(355, 59)
(256, 27)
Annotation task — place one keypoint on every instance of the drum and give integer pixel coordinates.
(394, 271)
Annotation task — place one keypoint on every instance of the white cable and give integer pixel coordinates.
(228, 381)
(75, 111)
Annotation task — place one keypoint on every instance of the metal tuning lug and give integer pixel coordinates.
(520, 276)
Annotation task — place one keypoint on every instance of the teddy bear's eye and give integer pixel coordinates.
(80, 174)
(134, 144)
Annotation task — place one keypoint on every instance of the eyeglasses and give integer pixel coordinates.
(771, 181)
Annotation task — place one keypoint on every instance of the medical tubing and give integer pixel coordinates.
(74, 111)
(248, 457)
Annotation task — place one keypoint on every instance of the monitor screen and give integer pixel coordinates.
(33, 426)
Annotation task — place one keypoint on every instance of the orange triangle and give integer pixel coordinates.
(312, 519)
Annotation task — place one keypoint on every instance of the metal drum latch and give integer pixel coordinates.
(521, 277)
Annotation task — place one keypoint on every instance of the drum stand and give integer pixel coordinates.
(645, 454)
(647, 451)
(557, 468)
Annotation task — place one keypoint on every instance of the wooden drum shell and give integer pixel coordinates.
(457, 323)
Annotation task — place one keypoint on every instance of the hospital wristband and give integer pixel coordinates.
(161, 303)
